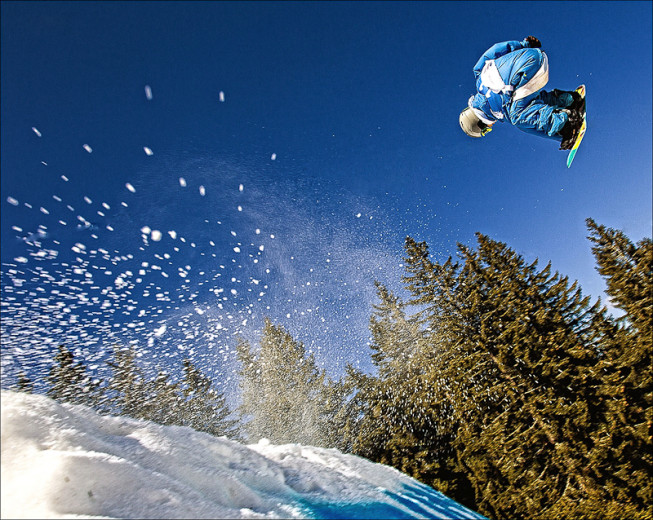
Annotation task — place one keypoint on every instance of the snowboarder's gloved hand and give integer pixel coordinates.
(571, 128)
(533, 42)
(574, 118)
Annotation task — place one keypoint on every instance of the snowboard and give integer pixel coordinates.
(581, 132)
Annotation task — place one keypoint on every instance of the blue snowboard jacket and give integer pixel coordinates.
(510, 77)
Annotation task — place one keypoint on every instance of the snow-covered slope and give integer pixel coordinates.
(62, 461)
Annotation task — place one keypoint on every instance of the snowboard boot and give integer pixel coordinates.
(569, 132)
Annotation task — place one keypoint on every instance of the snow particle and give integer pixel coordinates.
(182, 182)
(273, 157)
(148, 92)
(221, 97)
(148, 151)
(12, 201)
(160, 331)
(156, 235)
(130, 188)
(87, 148)
(202, 191)
(36, 131)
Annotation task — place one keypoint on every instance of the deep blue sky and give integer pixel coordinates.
(358, 100)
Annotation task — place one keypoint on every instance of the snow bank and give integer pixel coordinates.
(62, 461)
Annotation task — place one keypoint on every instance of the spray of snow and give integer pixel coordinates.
(239, 255)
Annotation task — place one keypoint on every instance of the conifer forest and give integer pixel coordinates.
(496, 381)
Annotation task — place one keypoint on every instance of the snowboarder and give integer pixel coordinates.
(510, 78)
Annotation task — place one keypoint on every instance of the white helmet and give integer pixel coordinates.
(472, 125)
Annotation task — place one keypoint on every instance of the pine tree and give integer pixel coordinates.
(205, 409)
(281, 389)
(520, 356)
(126, 393)
(404, 417)
(398, 341)
(333, 413)
(628, 270)
(161, 401)
(628, 377)
(69, 381)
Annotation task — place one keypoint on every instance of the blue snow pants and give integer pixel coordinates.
(540, 114)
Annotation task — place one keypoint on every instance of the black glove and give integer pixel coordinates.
(569, 132)
(575, 118)
(533, 42)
